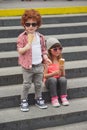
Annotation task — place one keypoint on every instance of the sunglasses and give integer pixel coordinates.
(29, 24)
(56, 48)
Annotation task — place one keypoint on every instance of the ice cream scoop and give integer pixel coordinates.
(61, 61)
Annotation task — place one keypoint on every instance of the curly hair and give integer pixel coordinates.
(31, 14)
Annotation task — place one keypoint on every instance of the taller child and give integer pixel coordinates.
(32, 52)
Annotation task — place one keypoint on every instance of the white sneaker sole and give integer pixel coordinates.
(42, 107)
(56, 105)
(65, 104)
(24, 110)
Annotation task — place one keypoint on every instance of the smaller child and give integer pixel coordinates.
(54, 73)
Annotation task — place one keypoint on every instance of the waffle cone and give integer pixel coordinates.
(30, 38)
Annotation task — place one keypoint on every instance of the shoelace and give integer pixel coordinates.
(41, 101)
(55, 101)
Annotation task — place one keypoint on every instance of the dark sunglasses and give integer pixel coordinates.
(56, 48)
(29, 24)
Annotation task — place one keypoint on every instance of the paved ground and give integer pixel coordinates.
(6, 4)
(16, 7)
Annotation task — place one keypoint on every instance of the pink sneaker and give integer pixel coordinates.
(55, 102)
(65, 102)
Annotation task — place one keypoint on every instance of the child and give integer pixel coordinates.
(54, 73)
(32, 51)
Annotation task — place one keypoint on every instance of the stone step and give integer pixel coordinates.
(71, 30)
(13, 75)
(6, 32)
(63, 30)
(47, 19)
(76, 126)
(10, 58)
(14, 119)
(10, 95)
(47, 25)
(9, 44)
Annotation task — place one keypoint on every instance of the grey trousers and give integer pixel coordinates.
(33, 75)
(57, 86)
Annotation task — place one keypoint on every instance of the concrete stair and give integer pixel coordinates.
(10, 94)
(36, 119)
(71, 30)
(76, 126)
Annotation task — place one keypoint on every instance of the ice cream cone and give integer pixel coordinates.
(61, 61)
(30, 38)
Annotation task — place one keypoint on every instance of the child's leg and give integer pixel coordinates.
(62, 82)
(62, 85)
(38, 85)
(51, 84)
(37, 79)
(27, 81)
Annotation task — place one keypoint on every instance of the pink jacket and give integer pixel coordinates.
(25, 60)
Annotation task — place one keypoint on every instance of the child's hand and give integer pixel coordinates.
(30, 38)
(27, 47)
(61, 67)
(24, 49)
(56, 72)
(48, 61)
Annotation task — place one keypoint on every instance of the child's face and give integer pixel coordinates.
(30, 26)
(56, 51)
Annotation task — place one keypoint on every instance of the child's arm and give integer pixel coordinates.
(22, 50)
(62, 71)
(47, 60)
